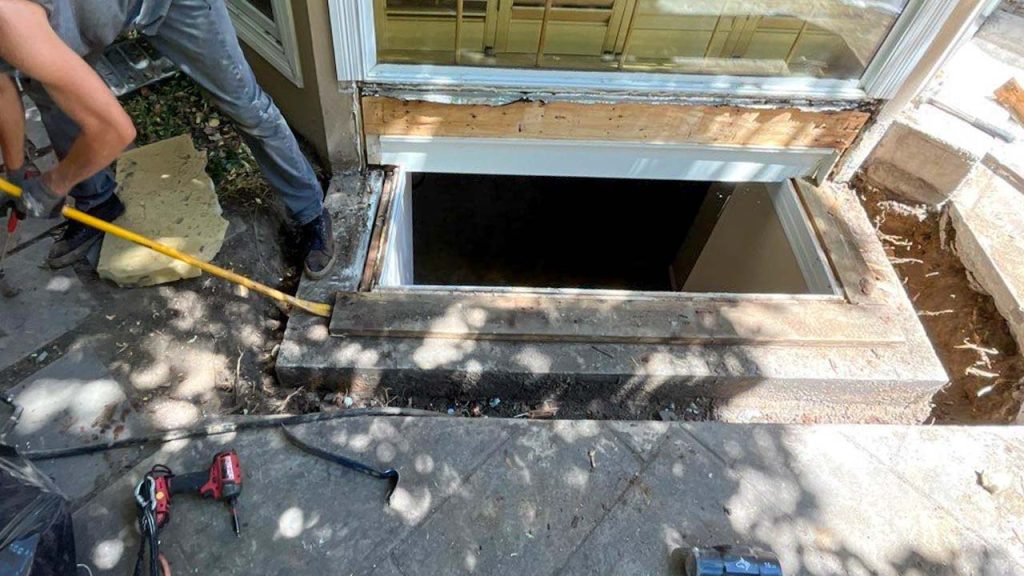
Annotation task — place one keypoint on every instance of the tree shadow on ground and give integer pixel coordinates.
(562, 497)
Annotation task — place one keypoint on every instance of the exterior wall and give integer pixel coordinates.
(326, 111)
(749, 237)
(322, 111)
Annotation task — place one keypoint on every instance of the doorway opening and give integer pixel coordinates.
(493, 232)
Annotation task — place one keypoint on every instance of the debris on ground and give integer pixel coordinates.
(668, 414)
(995, 481)
(971, 338)
(1011, 96)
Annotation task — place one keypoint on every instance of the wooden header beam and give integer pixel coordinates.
(632, 122)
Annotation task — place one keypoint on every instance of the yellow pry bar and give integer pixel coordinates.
(316, 308)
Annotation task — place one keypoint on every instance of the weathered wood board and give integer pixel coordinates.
(579, 318)
(628, 121)
(1011, 96)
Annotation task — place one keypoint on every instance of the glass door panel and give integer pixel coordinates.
(808, 38)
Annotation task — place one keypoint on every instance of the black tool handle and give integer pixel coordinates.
(189, 483)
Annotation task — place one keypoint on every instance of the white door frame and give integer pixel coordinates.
(915, 31)
(598, 158)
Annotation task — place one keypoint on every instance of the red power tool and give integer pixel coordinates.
(222, 482)
(6, 290)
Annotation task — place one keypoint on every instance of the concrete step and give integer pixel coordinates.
(1001, 34)
(988, 215)
(928, 153)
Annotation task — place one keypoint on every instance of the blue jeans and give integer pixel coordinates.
(198, 36)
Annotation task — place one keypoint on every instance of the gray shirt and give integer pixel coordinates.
(89, 26)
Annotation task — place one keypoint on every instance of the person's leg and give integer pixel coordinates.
(94, 196)
(199, 37)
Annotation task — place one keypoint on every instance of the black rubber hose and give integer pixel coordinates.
(253, 423)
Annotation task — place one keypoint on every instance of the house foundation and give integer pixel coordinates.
(857, 355)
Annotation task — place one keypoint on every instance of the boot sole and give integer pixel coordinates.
(323, 273)
(77, 254)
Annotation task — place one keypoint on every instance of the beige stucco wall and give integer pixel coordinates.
(748, 251)
(321, 111)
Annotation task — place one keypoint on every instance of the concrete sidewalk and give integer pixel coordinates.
(490, 496)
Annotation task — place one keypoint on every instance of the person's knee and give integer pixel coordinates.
(256, 115)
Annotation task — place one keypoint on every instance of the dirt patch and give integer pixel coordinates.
(700, 409)
(971, 339)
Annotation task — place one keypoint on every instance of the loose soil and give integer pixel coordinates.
(972, 340)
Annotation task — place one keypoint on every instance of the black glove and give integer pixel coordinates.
(38, 201)
(8, 202)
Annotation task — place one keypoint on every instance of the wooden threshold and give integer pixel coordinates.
(588, 319)
(626, 121)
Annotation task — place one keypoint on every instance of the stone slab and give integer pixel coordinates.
(352, 203)
(525, 510)
(925, 155)
(928, 153)
(46, 162)
(35, 132)
(51, 303)
(683, 498)
(844, 511)
(969, 79)
(988, 215)
(482, 493)
(921, 457)
(169, 198)
(72, 402)
(1001, 34)
(29, 230)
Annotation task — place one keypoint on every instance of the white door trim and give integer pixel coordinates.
(600, 159)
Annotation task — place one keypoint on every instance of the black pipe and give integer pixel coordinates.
(256, 422)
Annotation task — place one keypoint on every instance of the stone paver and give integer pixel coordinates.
(922, 458)
(988, 215)
(297, 509)
(34, 129)
(50, 304)
(527, 509)
(31, 229)
(682, 499)
(71, 402)
(640, 437)
(844, 511)
(168, 197)
(490, 496)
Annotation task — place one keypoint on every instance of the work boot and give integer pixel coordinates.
(76, 239)
(318, 245)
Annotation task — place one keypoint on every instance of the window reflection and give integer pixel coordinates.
(809, 38)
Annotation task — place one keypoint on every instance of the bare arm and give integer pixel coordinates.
(12, 125)
(28, 43)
